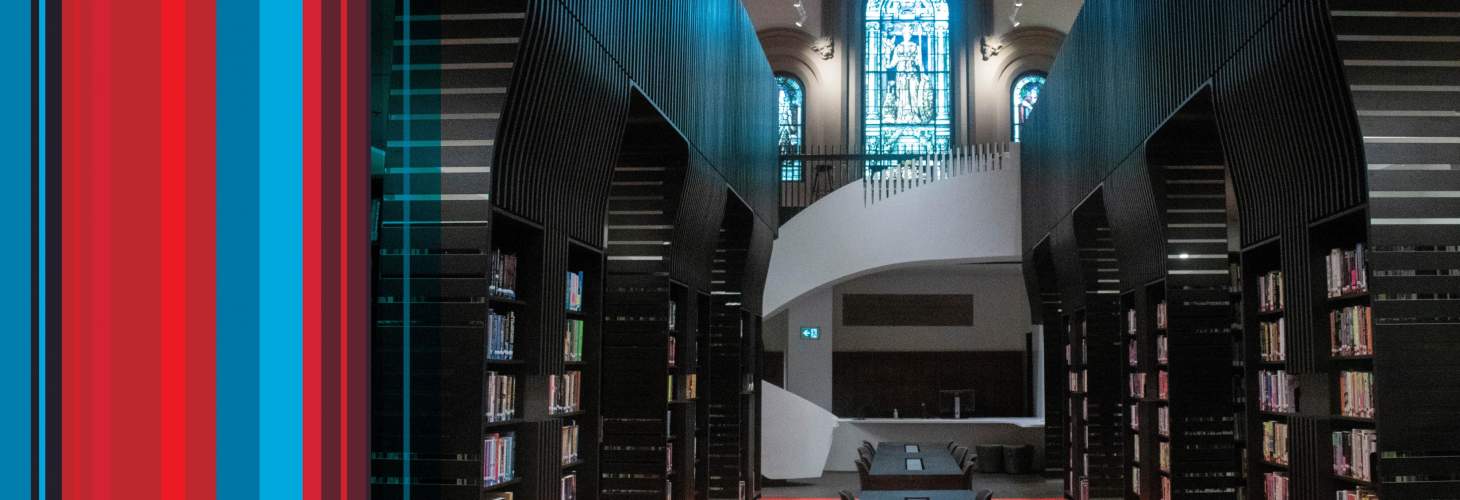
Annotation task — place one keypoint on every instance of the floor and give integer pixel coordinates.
(1004, 486)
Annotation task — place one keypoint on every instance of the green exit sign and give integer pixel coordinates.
(810, 332)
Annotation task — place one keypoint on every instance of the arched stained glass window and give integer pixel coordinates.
(907, 77)
(791, 124)
(1025, 93)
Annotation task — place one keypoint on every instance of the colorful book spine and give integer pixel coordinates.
(1161, 350)
(503, 280)
(569, 443)
(1272, 336)
(1275, 442)
(1270, 291)
(1276, 391)
(573, 341)
(574, 301)
(1356, 394)
(1275, 485)
(501, 397)
(1163, 421)
(1161, 316)
(565, 392)
(1353, 453)
(1350, 331)
(498, 453)
(1347, 271)
(1137, 385)
(501, 335)
(1163, 385)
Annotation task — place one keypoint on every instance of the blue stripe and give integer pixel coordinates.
(281, 243)
(238, 251)
(15, 264)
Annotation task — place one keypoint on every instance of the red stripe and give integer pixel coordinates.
(202, 323)
(175, 136)
(354, 247)
(76, 145)
(137, 238)
(313, 167)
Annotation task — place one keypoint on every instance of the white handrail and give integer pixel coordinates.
(894, 179)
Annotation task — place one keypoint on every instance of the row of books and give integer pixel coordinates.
(1136, 449)
(1163, 385)
(569, 448)
(1163, 421)
(1165, 488)
(1356, 394)
(501, 403)
(501, 335)
(1275, 485)
(1161, 316)
(1272, 338)
(1133, 354)
(1135, 418)
(574, 301)
(1351, 331)
(498, 450)
(1347, 272)
(1078, 381)
(1352, 452)
(1130, 322)
(1358, 494)
(673, 314)
(1275, 442)
(1277, 391)
(565, 392)
(1135, 478)
(568, 488)
(673, 349)
(1138, 385)
(1162, 350)
(503, 282)
(1270, 291)
(1163, 455)
(573, 341)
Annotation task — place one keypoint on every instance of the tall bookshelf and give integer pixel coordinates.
(1077, 470)
(1338, 259)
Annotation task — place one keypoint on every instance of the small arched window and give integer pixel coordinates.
(791, 124)
(1025, 94)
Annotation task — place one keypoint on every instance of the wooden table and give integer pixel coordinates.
(927, 467)
(917, 494)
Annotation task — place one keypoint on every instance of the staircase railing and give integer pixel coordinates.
(810, 176)
(884, 183)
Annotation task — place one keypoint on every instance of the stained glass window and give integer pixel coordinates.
(1025, 94)
(791, 124)
(907, 77)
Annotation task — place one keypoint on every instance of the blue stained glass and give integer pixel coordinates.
(1024, 95)
(791, 124)
(907, 76)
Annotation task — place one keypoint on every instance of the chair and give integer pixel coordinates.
(846, 495)
(865, 454)
(869, 445)
(863, 470)
(959, 453)
(951, 445)
(983, 495)
(968, 471)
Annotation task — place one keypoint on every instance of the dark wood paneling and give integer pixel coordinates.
(871, 384)
(886, 309)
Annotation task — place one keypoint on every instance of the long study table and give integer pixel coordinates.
(914, 466)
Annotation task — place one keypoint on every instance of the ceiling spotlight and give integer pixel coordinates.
(796, 4)
(798, 24)
(1018, 3)
(1014, 21)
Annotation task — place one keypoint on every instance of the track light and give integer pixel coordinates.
(1018, 3)
(1014, 21)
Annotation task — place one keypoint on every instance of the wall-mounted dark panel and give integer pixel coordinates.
(872, 384)
(881, 309)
